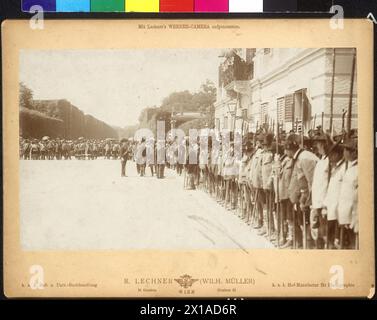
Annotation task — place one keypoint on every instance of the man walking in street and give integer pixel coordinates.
(124, 154)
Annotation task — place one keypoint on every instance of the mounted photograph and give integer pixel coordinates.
(215, 162)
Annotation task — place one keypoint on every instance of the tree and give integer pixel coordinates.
(179, 102)
(26, 97)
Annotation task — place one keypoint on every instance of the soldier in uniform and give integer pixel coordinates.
(318, 223)
(285, 205)
(348, 197)
(257, 184)
(161, 159)
(150, 155)
(330, 203)
(267, 159)
(34, 150)
(26, 149)
(303, 164)
(124, 154)
(247, 150)
(141, 154)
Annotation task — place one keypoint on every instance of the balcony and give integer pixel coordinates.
(239, 86)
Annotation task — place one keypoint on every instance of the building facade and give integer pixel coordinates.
(297, 88)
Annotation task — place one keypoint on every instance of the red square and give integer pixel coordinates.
(176, 5)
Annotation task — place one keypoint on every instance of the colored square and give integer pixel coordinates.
(142, 5)
(211, 6)
(245, 5)
(47, 5)
(107, 5)
(72, 5)
(176, 5)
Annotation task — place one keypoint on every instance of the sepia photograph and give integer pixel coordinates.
(237, 148)
(154, 158)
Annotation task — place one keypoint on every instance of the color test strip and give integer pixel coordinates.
(142, 5)
(107, 5)
(72, 5)
(211, 6)
(47, 5)
(245, 5)
(176, 5)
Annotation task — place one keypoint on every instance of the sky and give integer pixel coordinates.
(115, 85)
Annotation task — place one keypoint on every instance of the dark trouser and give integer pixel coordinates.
(348, 238)
(160, 171)
(141, 169)
(269, 202)
(333, 233)
(260, 201)
(123, 165)
(298, 217)
(286, 220)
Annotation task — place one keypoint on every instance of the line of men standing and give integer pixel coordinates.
(301, 193)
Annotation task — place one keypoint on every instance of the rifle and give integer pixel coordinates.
(277, 182)
(351, 94)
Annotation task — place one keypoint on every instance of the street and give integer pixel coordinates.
(77, 205)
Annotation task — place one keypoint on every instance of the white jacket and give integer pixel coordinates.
(320, 183)
(348, 198)
(332, 197)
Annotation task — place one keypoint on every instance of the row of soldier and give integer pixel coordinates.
(50, 149)
(299, 192)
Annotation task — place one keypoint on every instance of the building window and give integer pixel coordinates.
(289, 108)
(225, 124)
(263, 113)
(281, 110)
(244, 114)
(217, 123)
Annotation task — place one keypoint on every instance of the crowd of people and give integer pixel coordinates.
(62, 149)
(298, 191)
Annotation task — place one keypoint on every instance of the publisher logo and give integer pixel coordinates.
(186, 281)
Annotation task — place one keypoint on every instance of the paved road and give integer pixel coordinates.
(87, 205)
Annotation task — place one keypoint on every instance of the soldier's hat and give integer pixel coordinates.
(350, 142)
(248, 146)
(268, 139)
(319, 135)
(260, 137)
(336, 148)
(292, 142)
(123, 140)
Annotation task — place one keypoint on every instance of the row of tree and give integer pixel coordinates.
(182, 102)
(58, 119)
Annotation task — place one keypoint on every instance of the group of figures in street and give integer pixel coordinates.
(298, 191)
(47, 148)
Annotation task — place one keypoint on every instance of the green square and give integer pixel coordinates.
(107, 5)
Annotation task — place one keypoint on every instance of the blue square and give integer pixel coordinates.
(47, 5)
(72, 5)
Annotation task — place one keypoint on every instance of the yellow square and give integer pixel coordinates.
(142, 5)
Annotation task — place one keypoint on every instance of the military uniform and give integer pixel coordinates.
(332, 199)
(300, 185)
(257, 183)
(124, 154)
(286, 214)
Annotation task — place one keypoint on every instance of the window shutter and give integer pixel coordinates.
(289, 105)
(281, 109)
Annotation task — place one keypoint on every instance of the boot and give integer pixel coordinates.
(289, 243)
